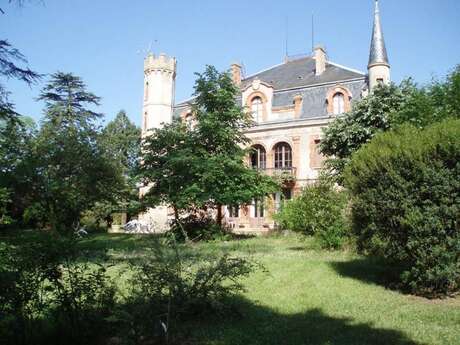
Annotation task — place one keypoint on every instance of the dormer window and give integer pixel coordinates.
(338, 103)
(257, 108)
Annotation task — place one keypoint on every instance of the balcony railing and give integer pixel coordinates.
(287, 174)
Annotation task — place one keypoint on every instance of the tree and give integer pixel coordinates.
(9, 56)
(432, 103)
(385, 108)
(17, 175)
(368, 117)
(203, 167)
(74, 168)
(122, 139)
(19, 3)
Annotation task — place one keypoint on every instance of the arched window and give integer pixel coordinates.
(256, 108)
(338, 103)
(258, 157)
(283, 156)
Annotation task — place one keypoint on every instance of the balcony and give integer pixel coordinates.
(286, 175)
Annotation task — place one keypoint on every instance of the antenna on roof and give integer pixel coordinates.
(149, 48)
(286, 53)
(243, 70)
(312, 32)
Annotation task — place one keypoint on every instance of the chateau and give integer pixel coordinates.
(290, 104)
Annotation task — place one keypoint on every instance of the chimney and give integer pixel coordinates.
(236, 73)
(320, 58)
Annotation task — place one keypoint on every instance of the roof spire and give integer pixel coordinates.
(378, 53)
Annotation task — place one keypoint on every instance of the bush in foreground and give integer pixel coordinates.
(170, 288)
(318, 211)
(405, 188)
(52, 293)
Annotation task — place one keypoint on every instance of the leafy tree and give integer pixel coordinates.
(203, 167)
(169, 163)
(433, 103)
(122, 139)
(17, 175)
(368, 117)
(74, 168)
(389, 107)
(4, 201)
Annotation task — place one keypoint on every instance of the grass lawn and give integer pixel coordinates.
(307, 296)
(311, 296)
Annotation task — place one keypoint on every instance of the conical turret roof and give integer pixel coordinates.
(378, 53)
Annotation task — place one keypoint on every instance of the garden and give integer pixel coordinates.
(297, 293)
(368, 254)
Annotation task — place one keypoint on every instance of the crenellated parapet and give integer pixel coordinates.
(161, 63)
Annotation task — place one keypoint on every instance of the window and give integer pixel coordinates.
(281, 197)
(283, 156)
(258, 157)
(380, 81)
(338, 103)
(316, 158)
(258, 208)
(287, 194)
(146, 91)
(233, 211)
(256, 108)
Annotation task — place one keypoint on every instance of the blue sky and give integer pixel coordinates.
(104, 41)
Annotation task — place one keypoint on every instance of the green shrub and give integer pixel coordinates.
(197, 227)
(24, 291)
(318, 211)
(405, 188)
(169, 288)
(49, 294)
(83, 299)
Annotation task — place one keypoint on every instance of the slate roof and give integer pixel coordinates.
(297, 77)
(378, 53)
(301, 73)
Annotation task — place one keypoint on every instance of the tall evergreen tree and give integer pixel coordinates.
(74, 168)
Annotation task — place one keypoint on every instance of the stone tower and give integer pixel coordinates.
(379, 66)
(159, 89)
